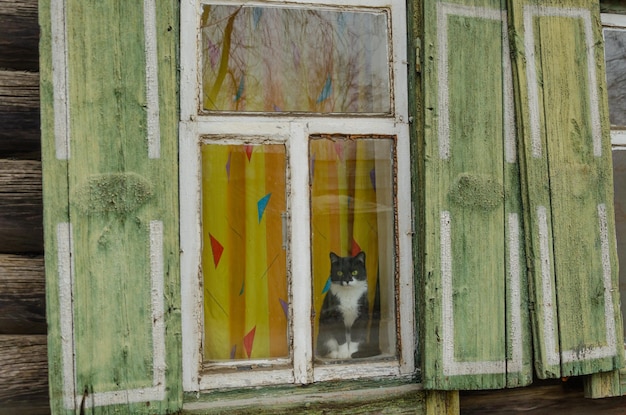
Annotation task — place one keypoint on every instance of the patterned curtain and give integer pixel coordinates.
(352, 211)
(244, 263)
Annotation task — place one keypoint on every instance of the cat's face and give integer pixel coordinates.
(345, 270)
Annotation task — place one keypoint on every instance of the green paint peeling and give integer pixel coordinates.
(119, 193)
(476, 191)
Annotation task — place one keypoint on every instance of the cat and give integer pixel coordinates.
(344, 317)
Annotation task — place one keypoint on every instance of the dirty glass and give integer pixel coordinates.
(275, 59)
(353, 247)
(243, 261)
(615, 56)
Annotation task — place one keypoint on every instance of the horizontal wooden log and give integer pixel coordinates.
(21, 208)
(19, 90)
(22, 295)
(20, 135)
(23, 370)
(19, 37)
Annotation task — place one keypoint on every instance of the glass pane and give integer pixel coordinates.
(243, 262)
(619, 182)
(352, 228)
(615, 55)
(276, 59)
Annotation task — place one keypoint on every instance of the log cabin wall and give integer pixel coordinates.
(23, 352)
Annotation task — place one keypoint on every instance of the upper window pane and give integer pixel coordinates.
(615, 55)
(275, 59)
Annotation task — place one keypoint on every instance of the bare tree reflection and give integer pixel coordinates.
(278, 59)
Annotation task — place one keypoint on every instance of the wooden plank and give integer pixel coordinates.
(472, 204)
(21, 207)
(567, 171)
(337, 398)
(603, 385)
(112, 222)
(23, 369)
(544, 398)
(442, 402)
(19, 36)
(22, 295)
(19, 115)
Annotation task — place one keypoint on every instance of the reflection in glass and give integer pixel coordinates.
(274, 59)
(243, 263)
(615, 55)
(352, 231)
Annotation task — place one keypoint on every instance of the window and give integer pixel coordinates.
(615, 56)
(294, 132)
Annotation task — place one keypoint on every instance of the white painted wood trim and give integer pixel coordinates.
(550, 330)
(65, 269)
(190, 254)
(300, 256)
(613, 21)
(530, 12)
(190, 81)
(152, 79)
(60, 79)
(406, 288)
(452, 367)
(444, 10)
(66, 294)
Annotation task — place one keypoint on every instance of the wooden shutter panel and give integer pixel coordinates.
(569, 217)
(109, 140)
(475, 328)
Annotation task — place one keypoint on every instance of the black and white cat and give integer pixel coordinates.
(345, 317)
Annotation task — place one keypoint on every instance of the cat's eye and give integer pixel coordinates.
(355, 272)
(340, 273)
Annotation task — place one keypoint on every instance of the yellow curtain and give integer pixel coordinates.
(344, 208)
(243, 262)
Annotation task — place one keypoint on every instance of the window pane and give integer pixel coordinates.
(243, 262)
(615, 55)
(352, 228)
(274, 59)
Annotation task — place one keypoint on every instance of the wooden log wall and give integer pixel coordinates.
(23, 351)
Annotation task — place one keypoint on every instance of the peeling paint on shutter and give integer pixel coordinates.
(109, 137)
(567, 173)
(475, 327)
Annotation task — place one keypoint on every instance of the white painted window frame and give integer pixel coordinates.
(293, 131)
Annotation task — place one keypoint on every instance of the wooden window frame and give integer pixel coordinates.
(293, 131)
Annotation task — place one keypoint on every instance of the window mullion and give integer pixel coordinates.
(300, 259)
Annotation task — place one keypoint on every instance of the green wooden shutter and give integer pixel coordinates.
(567, 172)
(475, 328)
(109, 140)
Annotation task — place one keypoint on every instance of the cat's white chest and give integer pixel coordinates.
(349, 296)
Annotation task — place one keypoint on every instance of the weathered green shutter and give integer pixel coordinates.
(475, 329)
(109, 139)
(567, 171)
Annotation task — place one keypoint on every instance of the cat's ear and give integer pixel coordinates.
(360, 256)
(333, 257)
